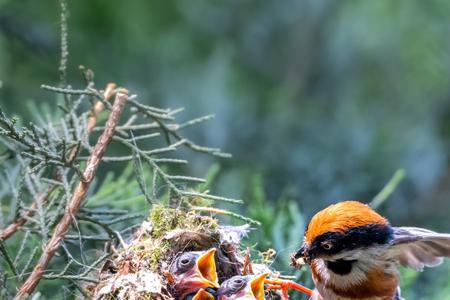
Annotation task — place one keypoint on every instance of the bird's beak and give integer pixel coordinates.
(203, 295)
(257, 286)
(302, 256)
(206, 269)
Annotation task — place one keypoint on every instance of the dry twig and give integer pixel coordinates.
(77, 198)
(42, 197)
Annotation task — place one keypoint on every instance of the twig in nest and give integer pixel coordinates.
(248, 267)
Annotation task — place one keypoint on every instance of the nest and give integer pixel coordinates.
(140, 269)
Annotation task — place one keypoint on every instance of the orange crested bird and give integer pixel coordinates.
(247, 287)
(354, 253)
(192, 271)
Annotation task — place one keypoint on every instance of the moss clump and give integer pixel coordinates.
(192, 230)
(155, 255)
(166, 219)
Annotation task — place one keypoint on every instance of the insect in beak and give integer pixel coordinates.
(301, 257)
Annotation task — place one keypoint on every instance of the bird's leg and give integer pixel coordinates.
(285, 285)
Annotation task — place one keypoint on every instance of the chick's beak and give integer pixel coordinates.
(203, 295)
(257, 286)
(206, 269)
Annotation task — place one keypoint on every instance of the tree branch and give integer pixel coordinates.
(77, 198)
(18, 223)
(92, 120)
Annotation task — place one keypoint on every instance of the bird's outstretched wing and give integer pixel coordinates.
(416, 247)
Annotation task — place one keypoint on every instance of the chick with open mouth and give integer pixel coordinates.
(192, 271)
(242, 287)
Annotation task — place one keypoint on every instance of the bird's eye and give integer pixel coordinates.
(232, 286)
(238, 284)
(184, 263)
(327, 245)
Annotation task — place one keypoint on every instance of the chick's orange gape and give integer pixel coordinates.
(354, 253)
(193, 276)
(192, 271)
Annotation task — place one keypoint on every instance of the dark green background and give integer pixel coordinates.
(320, 101)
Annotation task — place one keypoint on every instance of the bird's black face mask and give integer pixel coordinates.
(331, 243)
(301, 253)
(302, 256)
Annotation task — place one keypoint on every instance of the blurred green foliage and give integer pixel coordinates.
(323, 100)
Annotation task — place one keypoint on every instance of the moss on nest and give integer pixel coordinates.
(154, 257)
(166, 219)
(167, 232)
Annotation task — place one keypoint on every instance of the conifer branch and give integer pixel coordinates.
(170, 180)
(42, 197)
(77, 198)
(64, 45)
(50, 159)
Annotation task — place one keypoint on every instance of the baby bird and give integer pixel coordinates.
(192, 271)
(242, 287)
(202, 295)
(354, 253)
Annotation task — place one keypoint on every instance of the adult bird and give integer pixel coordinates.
(247, 287)
(192, 271)
(354, 253)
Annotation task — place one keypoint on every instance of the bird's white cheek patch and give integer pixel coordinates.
(322, 292)
(355, 277)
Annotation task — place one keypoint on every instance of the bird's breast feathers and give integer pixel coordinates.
(364, 281)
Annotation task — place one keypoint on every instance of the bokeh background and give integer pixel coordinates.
(319, 101)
